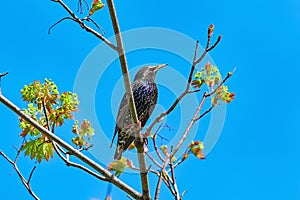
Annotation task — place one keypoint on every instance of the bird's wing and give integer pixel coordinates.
(121, 114)
(124, 117)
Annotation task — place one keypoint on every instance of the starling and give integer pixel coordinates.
(145, 95)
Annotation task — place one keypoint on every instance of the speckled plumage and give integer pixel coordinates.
(145, 95)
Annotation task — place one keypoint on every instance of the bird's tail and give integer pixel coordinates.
(118, 153)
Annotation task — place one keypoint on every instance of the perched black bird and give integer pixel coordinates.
(145, 95)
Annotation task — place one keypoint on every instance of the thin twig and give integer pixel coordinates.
(76, 165)
(176, 195)
(129, 197)
(99, 27)
(178, 163)
(154, 143)
(18, 152)
(163, 114)
(183, 193)
(158, 174)
(30, 176)
(184, 93)
(153, 160)
(167, 182)
(85, 148)
(187, 90)
(215, 44)
(149, 170)
(195, 62)
(53, 127)
(4, 74)
(156, 149)
(194, 119)
(24, 181)
(179, 145)
(80, 6)
(169, 186)
(58, 22)
(206, 112)
(84, 26)
(1, 75)
(45, 114)
(221, 83)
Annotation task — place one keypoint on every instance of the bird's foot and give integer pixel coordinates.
(139, 125)
(145, 140)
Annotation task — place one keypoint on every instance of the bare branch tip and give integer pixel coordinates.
(230, 73)
(4, 74)
(30, 176)
(183, 193)
(56, 23)
(234, 69)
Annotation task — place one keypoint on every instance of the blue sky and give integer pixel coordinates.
(256, 156)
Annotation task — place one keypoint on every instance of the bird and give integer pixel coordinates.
(145, 95)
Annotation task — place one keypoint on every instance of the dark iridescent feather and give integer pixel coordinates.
(145, 95)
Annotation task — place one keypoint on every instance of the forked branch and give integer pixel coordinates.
(196, 61)
(82, 24)
(187, 130)
(121, 52)
(25, 182)
(194, 64)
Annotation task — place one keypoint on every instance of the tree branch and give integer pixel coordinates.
(30, 176)
(155, 145)
(177, 196)
(179, 145)
(84, 26)
(1, 75)
(206, 112)
(156, 149)
(109, 176)
(195, 62)
(76, 165)
(184, 93)
(187, 90)
(4, 74)
(46, 116)
(153, 160)
(25, 182)
(139, 143)
(194, 119)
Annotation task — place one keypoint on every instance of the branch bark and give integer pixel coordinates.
(177, 195)
(139, 143)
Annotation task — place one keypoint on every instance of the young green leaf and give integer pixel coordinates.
(96, 5)
(118, 166)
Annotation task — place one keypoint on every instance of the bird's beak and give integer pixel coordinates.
(158, 67)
